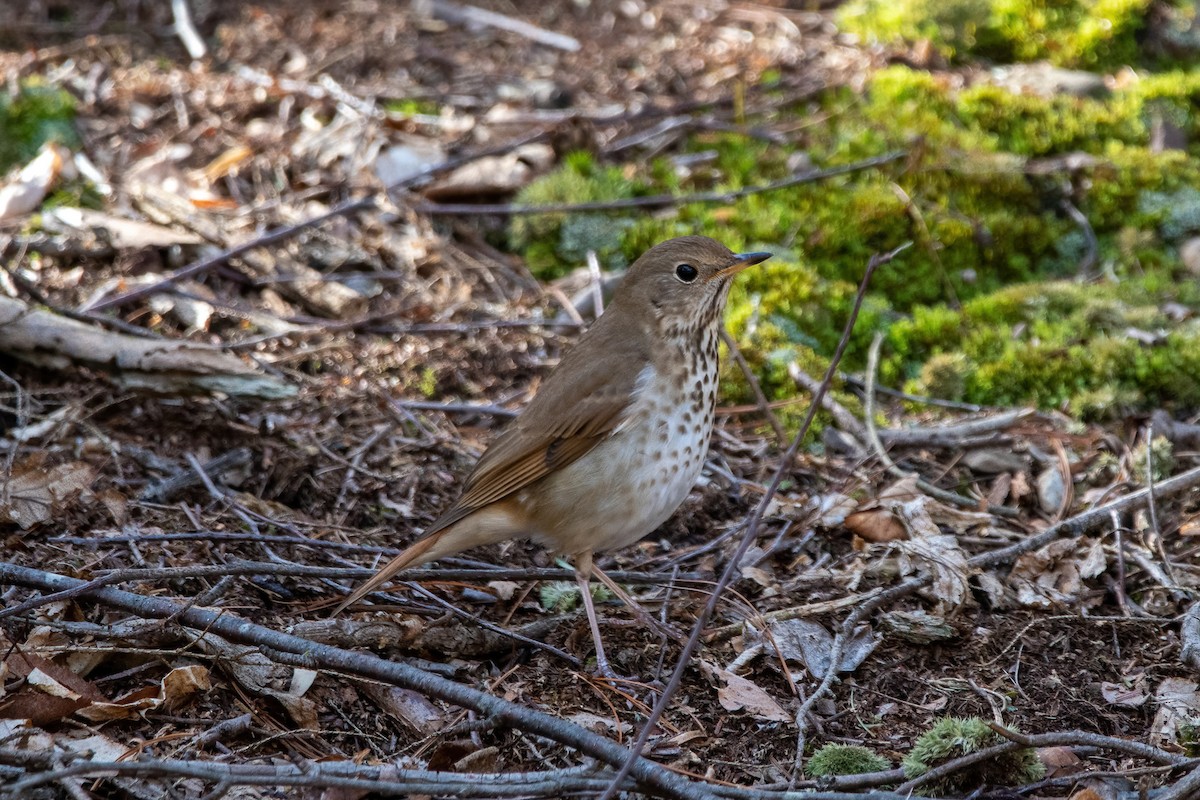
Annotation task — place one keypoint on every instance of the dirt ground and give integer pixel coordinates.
(1082, 638)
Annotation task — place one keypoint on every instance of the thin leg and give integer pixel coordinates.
(583, 574)
(643, 616)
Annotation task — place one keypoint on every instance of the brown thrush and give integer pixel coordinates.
(612, 443)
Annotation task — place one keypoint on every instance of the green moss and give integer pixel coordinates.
(555, 243)
(1157, 459)
(952, 737)
(1083, 33)
(844, 759)
(35, 115)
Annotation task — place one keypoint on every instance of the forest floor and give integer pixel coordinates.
(1037, 585)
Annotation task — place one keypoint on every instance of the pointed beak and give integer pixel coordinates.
(740, 262)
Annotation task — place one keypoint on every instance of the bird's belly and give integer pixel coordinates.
(630, 483)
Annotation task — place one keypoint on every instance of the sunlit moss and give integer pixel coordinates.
(37, 114)
(1087, 33)
(952, 737)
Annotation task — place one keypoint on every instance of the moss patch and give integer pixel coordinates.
(1075, 33)
(999, 301)
(35, 115)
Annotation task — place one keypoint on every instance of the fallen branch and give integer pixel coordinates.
(658, 200)
(296, 651)
(50, 340)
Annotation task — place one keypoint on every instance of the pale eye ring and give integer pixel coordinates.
(686, 273)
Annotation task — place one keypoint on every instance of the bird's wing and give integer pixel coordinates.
(573, 412)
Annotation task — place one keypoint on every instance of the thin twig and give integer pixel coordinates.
(654, 201)
(315, 655)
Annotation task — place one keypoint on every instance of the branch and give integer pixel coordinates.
(658, 200)
(296, 651)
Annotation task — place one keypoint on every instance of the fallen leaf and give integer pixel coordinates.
(1056, 573)
(1128, 696)
(742, 694)
(810, 643)
(876, 525)
(1178, 703)
(1059, 761)
(34, 494)
(25, 192)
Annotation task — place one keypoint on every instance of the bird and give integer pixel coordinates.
(613, 441)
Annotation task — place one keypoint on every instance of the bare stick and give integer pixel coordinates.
(470, 15)
(289, 231)
(297, 651)
(655, 201)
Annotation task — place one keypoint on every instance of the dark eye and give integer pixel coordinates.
(686, 273)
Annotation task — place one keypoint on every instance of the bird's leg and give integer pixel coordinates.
(583, 574)
(643, 616)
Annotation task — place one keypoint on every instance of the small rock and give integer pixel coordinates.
(1189, 254)
(1048, 80)
(1050, 489)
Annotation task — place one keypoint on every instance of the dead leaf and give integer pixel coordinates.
(876, 525)
(742, 694)
(50, 692)
(1129, 696)
(929, 551)
(1059, 761)
(810, 643)
(25, 192)
(34, 494)
(1056, 573)
(181, 683)
(1178, 703)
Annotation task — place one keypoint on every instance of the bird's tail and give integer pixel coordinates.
(488, 525)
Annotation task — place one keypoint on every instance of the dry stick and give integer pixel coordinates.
(1074, 527)
(337, 775)
(288, 231)
(298, 651)
(303, 571)
(693, 642)
(1019, 741)
(873, 439)
(654, 201)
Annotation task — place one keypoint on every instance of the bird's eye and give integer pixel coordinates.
(686, 273)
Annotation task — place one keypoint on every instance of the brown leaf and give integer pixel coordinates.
(876, 525)
(34, 494)
(742, 694)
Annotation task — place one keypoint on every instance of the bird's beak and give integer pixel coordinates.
(740, 262)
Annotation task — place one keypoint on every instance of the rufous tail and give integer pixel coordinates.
(494, 523)
(411, 557)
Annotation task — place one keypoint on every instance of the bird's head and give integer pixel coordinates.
(683, 283)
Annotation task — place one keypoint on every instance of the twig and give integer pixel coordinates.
(954, 434)
(971, 408)
(872, 436)
(167, 489)
(185, 29)
(364, 665)
(654, 201)
(470, 15)
(734, 562)
(288, 231)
